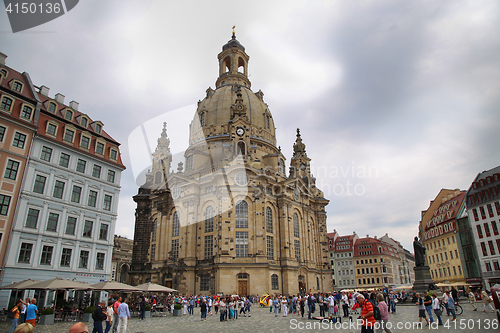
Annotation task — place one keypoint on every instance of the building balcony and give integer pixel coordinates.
(493, 274)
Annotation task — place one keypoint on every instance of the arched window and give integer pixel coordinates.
(227, 65)
(241, 66)
(52, 107)
(209, 219)
(123, 273)
(281, 166)
(267, 122)
(269, 220)
(296, 232)
(202, 119)
(158, 177)
(189, 163)
(153, 234)
(242, 214)
(274, 282)
(241, 148)
(68, 115)
(176, 225)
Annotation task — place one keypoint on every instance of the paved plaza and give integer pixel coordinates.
(264, 321)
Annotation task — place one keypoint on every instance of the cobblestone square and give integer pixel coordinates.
(263, 321)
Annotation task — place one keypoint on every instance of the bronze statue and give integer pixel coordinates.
(419, 251)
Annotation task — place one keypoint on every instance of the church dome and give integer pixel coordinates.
(232, 99)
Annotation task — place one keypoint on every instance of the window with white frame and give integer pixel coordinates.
(25, 253)
(66, 257)
(241, 244)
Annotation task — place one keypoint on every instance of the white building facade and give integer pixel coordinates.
(68, 205)
(483, 209)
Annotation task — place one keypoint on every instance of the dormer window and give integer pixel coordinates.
(68, 115)
(98, 128)
(26, 112)
(113, 154)
(17, 86)
(84, 122)
(4, 72)
(52, 107)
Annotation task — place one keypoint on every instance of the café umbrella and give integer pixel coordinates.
(113, 285)
(58, 283)
(20, 285)
(153, 287)
(24, 284)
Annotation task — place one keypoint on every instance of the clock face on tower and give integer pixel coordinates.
(240, 131)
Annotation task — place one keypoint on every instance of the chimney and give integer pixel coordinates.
(74, 105)
(367, 236)
(375, 237)
(3, 56)
(386, 234)
(60, 98)
(354, 232)
(44, 91)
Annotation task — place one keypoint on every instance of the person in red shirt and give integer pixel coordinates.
(116, 317)
(368, 320)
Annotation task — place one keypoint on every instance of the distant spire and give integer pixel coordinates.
(299, 148)
(163, 141)
(164, 131)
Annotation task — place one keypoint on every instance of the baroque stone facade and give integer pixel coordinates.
(231, 220)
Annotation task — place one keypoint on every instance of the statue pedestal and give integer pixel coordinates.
(423, 281)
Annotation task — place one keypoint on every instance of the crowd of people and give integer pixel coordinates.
(370, 307)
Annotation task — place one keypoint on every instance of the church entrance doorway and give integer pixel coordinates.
(302, 285)
(242, 284)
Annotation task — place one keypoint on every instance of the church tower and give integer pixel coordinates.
(232, 221)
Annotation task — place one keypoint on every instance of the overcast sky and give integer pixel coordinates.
(395, 99)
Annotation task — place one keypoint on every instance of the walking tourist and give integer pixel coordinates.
(384, 314)
(123, 316)
(436, 308)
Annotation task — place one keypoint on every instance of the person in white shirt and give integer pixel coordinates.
(109, 316)
(210, 303)
(472, 300)
(436, 308)
(445, 302)
(284, 306)
(331, 304)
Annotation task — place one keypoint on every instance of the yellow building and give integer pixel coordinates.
(438, 234)
(231, 220)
